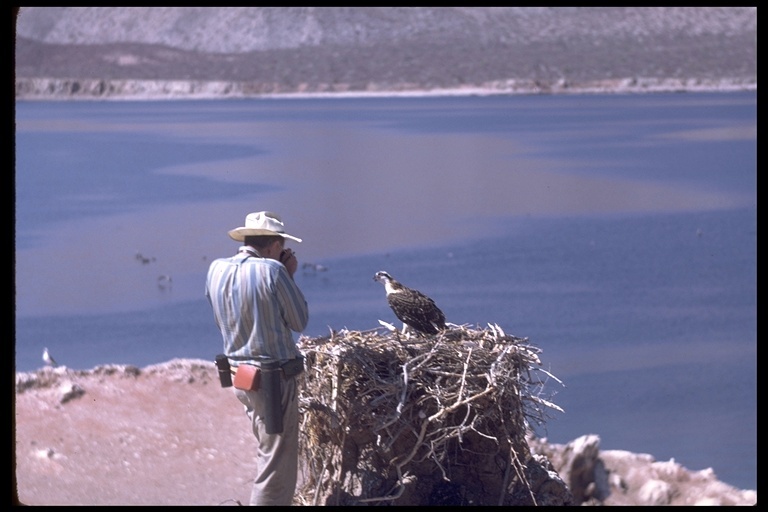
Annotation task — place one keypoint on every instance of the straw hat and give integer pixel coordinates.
(260, 224)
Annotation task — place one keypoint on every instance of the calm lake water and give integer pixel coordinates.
(618, 233)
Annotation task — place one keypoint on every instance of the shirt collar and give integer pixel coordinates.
(249, 250)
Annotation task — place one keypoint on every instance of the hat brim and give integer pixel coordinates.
(239, 234)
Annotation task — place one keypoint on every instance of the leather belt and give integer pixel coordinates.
(290, 367)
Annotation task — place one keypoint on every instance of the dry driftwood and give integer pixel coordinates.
(438, 419)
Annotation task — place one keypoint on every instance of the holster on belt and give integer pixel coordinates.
(272, 387)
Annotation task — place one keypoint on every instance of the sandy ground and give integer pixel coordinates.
(177, 438)
(168, 434)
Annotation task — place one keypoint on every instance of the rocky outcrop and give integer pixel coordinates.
(618, 477)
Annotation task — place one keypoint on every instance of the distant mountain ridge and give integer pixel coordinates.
(247, 29)
(315, 49)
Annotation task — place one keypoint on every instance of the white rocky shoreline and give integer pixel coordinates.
(61, 395)
(98, 89)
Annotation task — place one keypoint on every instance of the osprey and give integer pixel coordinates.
(412, 307)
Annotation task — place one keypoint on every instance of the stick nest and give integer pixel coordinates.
(435, 419)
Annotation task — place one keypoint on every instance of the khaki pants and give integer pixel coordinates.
(277, 455)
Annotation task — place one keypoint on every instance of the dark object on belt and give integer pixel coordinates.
(272, 375)
(272, 386)
(225, 374)
(293, 367)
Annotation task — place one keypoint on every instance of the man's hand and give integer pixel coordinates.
(288, 258)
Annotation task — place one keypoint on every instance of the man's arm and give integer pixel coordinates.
(292, 302)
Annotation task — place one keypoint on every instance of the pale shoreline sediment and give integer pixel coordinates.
(57, 89)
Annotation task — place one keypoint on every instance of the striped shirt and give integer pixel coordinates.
(256, 304)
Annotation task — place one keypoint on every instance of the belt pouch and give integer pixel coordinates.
(293, 367)
(247, 377)
(225, 372)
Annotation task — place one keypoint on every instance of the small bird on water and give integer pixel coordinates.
(410, 306)
(48, 359)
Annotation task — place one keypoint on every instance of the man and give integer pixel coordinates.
(256, 305)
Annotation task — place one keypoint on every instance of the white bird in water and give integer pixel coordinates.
(50, 361)
(316, 267)
(164, 281)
